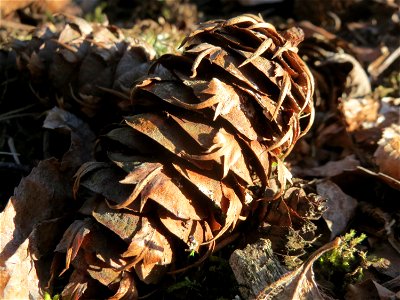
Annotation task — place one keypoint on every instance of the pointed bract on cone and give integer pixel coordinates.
(210, 131)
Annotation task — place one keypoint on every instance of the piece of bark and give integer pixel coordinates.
(255, 267)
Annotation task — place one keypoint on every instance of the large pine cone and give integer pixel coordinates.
(206, 140)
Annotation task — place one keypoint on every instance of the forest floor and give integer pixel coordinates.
(351, 155)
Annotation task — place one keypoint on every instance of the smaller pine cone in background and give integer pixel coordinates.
(79, 64)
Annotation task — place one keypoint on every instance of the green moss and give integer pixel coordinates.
(47, 296)
(346, 263)
(98, 15)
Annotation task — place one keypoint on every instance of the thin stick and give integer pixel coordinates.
(10, 142)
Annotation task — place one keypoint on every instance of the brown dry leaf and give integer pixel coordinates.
(42, 198)
(299, 284)
(359, 113)
(357, 83)
(341, 207)
(330, 169)
(43, 195)
(368, 289)
(384, 249)
(392, 182)
(18, 277)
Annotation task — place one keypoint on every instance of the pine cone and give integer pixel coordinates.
(206, 140)
(78, 64)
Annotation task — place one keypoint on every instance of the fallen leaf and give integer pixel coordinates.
(359, 113)
(330, 169)
(357, 82)
(341, 207)
(392, 182)
(368, 289)
(43, 195)
(18, 278)
(385, 250)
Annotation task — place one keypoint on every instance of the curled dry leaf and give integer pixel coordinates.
(330, 169)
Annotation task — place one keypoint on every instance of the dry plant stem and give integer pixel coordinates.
(11, 145)
(387, 62)
(286, 279)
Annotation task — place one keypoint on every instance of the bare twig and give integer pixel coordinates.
(385, 64)
(10, 142)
